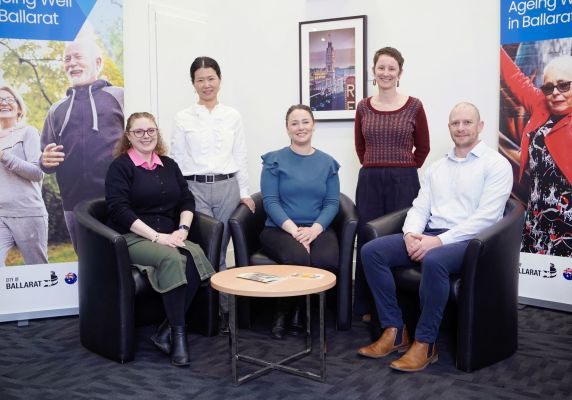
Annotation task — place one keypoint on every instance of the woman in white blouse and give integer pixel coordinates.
(209, 145)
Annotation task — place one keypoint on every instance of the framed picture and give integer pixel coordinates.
(332, 66)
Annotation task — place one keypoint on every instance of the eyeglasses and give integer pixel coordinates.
(466, 123)
(11, 100)
(548, 88)
(139, 133)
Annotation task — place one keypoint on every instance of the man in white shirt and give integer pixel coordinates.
(461, 194)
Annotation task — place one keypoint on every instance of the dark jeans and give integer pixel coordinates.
(380, 191)
(280, 246)
(382, 254)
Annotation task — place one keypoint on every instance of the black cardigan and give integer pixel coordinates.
(156, 197)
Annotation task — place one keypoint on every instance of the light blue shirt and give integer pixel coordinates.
(462, 195)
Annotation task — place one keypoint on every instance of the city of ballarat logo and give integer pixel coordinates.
(53, 281)
(551, 273)
(16, 283)
(545, 273)
(567, 274)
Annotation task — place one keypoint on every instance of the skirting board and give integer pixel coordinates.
(545, 304)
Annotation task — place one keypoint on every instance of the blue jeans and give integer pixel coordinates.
(382, 254)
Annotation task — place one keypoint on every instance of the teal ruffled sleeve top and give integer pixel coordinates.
(304, 188)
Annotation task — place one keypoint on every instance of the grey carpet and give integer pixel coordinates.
(46, 361)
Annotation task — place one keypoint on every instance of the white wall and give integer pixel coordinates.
(450, 49)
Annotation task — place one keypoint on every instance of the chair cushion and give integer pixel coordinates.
(259, 258)
(409, 279)
(142, 285)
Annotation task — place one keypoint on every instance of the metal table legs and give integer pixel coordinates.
(279, 365)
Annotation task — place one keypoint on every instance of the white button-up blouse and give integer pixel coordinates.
(212, 142)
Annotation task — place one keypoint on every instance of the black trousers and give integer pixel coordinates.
(380, 191)
(280, 246)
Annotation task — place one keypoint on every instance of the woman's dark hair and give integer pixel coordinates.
(299, 107)
(391, 52)
(123, 144)
(204, 62)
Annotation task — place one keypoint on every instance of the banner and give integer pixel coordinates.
(34, 291)
(61, 113)
(535, 128)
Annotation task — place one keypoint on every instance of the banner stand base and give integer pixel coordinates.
(23, 317)
(545, 304)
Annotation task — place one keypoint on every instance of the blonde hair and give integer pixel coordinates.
(19, 101)
(123, 144)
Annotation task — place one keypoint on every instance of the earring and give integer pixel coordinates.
(374, 83)
(397, 83)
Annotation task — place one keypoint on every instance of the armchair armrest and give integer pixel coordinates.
(345, 225)
(489, 293)
(386, 225)
(207, 231)
(245, 228)
(345, 222)
(106, 287)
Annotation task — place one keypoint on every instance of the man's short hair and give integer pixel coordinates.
(466, 104)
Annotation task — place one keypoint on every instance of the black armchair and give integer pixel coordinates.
(483, 297)
(245, 228)
(114, 297)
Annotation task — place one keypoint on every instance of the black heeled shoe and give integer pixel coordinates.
(278, 325)
(296, 327)
(162, 337)
(179, 347)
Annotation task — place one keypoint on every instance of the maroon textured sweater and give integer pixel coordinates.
(398, 138)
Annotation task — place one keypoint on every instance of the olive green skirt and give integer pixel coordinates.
(165, 265)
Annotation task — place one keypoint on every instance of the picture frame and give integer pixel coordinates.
(332, 66)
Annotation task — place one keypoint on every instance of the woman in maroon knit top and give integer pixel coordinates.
(392, 142)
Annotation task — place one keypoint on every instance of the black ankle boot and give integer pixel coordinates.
(297, 323)
(278, 325)
(162, 337)
(179, 347)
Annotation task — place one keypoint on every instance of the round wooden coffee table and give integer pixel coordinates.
(309, 281)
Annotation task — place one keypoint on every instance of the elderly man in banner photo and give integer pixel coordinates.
(81, 129)
(461, 194)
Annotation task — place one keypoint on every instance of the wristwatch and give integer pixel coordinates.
(184, 227)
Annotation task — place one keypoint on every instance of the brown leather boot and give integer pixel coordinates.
(387, 343)
(417, 357)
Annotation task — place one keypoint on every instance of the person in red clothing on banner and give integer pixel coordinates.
(392, 142)
(545, 145)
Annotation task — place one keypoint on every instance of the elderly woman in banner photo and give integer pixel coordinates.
(150, 204)
(23, 215)
(545, 146)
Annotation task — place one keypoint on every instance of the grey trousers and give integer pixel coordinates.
(218, 200)
(29, 234)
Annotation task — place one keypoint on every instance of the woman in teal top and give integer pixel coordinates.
(301, 191)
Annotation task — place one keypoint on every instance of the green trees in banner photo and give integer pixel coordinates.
(35, 70)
